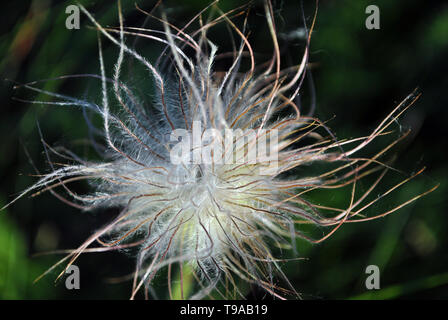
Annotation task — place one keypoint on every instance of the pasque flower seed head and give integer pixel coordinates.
(205, 177)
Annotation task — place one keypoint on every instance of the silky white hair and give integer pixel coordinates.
(216, 222)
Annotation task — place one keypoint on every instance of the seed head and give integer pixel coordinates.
(205, 176)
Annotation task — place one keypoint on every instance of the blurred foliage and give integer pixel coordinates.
(359, 76)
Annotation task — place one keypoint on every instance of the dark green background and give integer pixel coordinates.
(359, 76)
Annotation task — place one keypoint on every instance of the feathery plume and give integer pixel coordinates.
(205, 178)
